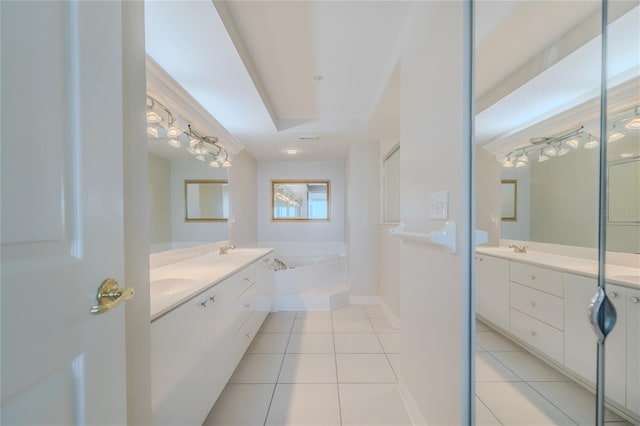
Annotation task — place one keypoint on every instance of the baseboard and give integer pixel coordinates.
(393, 319)
(363, 300)
(410, 405)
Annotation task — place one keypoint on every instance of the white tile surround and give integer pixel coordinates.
(314, 374)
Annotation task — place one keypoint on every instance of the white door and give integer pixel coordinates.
(62, 214)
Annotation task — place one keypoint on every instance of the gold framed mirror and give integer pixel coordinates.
(206, 200)
(301, 200)
(509, 200)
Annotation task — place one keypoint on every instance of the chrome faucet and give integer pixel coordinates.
(518, 248)
(225, 249)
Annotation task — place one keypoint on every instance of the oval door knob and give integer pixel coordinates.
(109, 295)
(634, 300)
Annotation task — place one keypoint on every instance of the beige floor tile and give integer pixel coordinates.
(308, 368)
(372, 405)
(311, 343)
(241, 405)
(304, 404)
(364, 368)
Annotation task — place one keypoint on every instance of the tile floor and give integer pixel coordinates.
(317, 368)
(515, 388)
(341, 368)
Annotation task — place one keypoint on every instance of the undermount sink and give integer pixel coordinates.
(167, 286)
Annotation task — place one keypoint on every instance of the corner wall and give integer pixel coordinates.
(363, 195)
(434, 283)
(159, 200)
(243, 204)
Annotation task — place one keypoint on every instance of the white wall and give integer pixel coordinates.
(136, 215)
(433, 283)
(182, 231)
(159, 200)
(488, 195)
(521, 228)
(389, 250)
(363, 195)
(243, 200)
(301, 231)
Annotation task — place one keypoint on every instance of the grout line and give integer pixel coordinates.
(487, 407)
(266, 416)
(335, 360)
(551, 402)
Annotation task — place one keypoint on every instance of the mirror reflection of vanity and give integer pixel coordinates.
(557, 198)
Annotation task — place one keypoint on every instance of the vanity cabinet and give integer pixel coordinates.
(492, 294)
(196, 346)
(632, 305)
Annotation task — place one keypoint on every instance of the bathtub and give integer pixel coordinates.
(312, 281)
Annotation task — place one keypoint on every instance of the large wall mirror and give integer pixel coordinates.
(206, 200)
(300, 200)
(556, 196)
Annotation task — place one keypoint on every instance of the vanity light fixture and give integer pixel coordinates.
(614, 135)
(542, 157)
(634, 123)
(550, 151)
(507, 163)
(592, 143)
(562, 149)
(161, 123)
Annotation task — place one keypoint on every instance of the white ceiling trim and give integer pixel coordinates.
(165, 89)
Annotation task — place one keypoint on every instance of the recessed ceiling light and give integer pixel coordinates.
(291, 151)
(626, 155)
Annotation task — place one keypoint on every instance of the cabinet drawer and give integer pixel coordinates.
(540, 278)
(540, 305)
(541, 336)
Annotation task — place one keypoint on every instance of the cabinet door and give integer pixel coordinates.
(492, 290)
(633, 350)
(580, 341)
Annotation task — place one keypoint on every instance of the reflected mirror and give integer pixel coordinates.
(300, 200)
(508, 199)
(206, 200)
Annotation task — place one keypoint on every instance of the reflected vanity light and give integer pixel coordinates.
(592, 143)
(175, 143)
(542, 157)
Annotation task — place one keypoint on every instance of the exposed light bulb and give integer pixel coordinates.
(200, 157)
(615, 136)
(291, 151)
(550, 151)
(542, 157)
(562, 150)
(214, 163)
(626, 155)
(173, 132)
(520, 163)
(573, 143)
(152, 131)
(507, 164)
(226, 163)
(592, 143)
(633, 124)
(523, 158)
(175, 143)
(193, 142)
(153, 117)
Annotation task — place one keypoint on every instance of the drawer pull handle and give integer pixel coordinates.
(204, 303)
(247, 306)
(634, 300)
(613, 294)
(212, 298)
(533, 277)
(247, 279)
(533, 333)
(248, 336)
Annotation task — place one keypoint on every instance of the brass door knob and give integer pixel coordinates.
(109, 295)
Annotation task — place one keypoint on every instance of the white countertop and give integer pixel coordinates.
(178, 282)
(622, 275)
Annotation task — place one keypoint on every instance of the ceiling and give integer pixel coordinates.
(272, 72)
